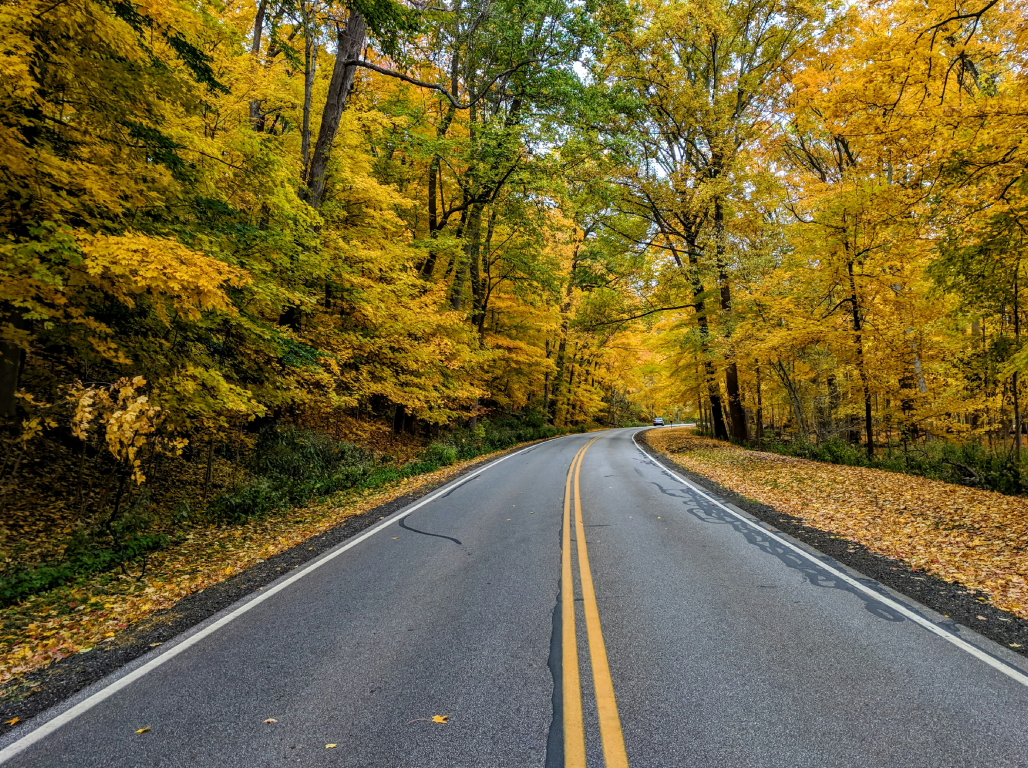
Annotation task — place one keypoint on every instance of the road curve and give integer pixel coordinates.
(701, 639)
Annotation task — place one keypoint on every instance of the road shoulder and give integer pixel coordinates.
(952, 602)
(38, 691)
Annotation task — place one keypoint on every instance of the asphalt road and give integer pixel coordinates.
(710, 641)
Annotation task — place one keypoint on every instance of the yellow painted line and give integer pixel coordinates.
(614, 755)
(574, 729)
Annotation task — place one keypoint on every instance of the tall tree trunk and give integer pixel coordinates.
(1014, 383)
(546, 379)
(474, 215)
(255, 52)
(310, 65)
(480, 289)
(472, 264)
(571, 388)
(434, 189)
(11, 360)
(759, 425)
(861, 366)
(703, 323)
(737, 416)
(349, 44)
(565, 321)
(736, 413)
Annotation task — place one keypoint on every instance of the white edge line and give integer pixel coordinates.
(931, 626)
(88, 703)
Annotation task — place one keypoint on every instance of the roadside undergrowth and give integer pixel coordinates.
(975, 538)
(73, 619)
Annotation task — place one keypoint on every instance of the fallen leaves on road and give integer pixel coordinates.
(975, 538)
(271, 720)
(69, 620)
(12, 721)
(331, 746)
(434, 719)
(143, 730)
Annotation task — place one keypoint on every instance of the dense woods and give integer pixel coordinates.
(834, 206)
(235, 234)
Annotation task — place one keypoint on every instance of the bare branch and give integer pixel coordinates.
(433, 86)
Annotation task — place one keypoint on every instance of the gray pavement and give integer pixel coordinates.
(726, 648)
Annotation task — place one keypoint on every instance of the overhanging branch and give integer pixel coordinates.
(433, 86)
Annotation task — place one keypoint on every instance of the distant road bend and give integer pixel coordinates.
(570, 604)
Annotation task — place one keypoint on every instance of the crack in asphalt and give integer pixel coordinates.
(708, 513)
(555, 662)
(403, 524)
(459, 485)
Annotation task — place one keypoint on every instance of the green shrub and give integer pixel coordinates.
(254, 499)
(80, 560)
(293, 466)
(439, 454)
(498, 434)
(303, 456)
(289, 466)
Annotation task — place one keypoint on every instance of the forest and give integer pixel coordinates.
(256, 252)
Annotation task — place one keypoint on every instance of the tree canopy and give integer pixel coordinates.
(800, 217)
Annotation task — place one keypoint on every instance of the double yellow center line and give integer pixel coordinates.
(614, 755)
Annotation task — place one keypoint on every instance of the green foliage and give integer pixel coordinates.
(388, 21)
(438, 453)
(253, 499)
(293, 466)
(495, 435)
(80, 560)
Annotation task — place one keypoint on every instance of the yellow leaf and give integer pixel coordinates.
(228, 571)
(440, 719)
(330, 746)
(12, 721)
(143, 730)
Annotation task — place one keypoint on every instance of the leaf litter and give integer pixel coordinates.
(73, 619)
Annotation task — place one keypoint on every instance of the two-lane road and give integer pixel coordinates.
(699, 638)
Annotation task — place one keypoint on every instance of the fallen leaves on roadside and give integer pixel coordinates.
(975, 538)
(12, 721)
(143, 730)
(54, 625)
